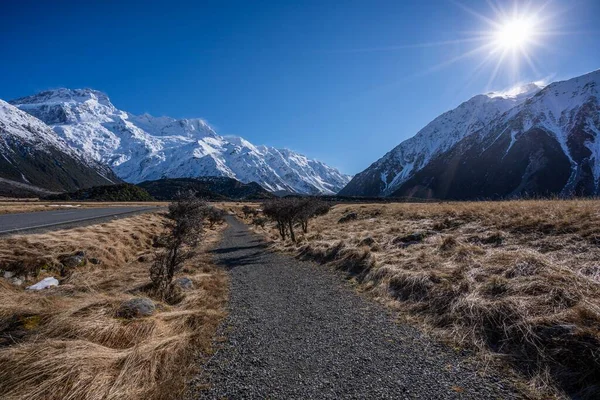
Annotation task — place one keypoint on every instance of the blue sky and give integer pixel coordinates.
(340, 81)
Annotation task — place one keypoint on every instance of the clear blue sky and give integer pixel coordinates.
(340, 81)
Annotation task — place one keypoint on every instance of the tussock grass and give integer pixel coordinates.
(517, 280)
(68, 343)
(10, 206)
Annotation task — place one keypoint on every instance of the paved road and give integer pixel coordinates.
(296, 330)
(10, 223)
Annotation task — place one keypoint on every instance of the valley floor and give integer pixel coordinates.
(296, 331)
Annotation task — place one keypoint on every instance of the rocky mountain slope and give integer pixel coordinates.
(34, 160)
(143, 147)
(528, 141)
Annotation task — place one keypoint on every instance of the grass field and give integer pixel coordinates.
(517, 280)
(21, 206)
(68, 342)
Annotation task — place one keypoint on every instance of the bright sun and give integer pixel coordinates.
(515, 34)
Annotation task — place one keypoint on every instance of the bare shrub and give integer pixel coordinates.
(249, 211)
(281, 211)
(184, 225)
(310, 208)
(215, 216)
(286, 212)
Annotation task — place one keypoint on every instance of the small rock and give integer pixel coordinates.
(17, 281)
(412, 238)
(8, 274)
(136, 307)
(368, 241)
(44, 283)
(75, 260)
(348, 217)
(184, 283)
(94, 261)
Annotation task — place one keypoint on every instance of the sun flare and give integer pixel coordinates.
(515, 34)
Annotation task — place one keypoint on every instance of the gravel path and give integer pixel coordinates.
(298, 331)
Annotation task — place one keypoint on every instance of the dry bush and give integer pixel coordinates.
(288, 212)
(184, 227)
(517, 280)
(67, 342)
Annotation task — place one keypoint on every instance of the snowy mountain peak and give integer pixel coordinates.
(526, 130)
(63, 95)
(144, 147)
(519, 91)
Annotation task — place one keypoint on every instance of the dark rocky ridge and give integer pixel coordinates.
(49, 168)
(212, 188)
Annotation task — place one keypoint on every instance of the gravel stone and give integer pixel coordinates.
(297, 330)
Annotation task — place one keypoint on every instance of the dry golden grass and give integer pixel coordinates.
(22, 206)
(518, 280)
(235, 207)
(67, 343)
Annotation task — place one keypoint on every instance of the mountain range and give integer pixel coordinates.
(83, 123)
(533, 140)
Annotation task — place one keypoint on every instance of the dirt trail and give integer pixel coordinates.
(298, 331)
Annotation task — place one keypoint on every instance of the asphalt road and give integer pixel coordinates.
(48, 220)
(297, 330)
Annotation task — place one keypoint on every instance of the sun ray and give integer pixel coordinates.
(455, 59)
(412, 46)
(476, 14)
(496, 8)
(495, 71)
(477, 71)
(508, 40)
(531, 63)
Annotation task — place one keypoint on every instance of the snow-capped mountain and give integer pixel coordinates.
(143, 147)
(530, 140)
(32, 156)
